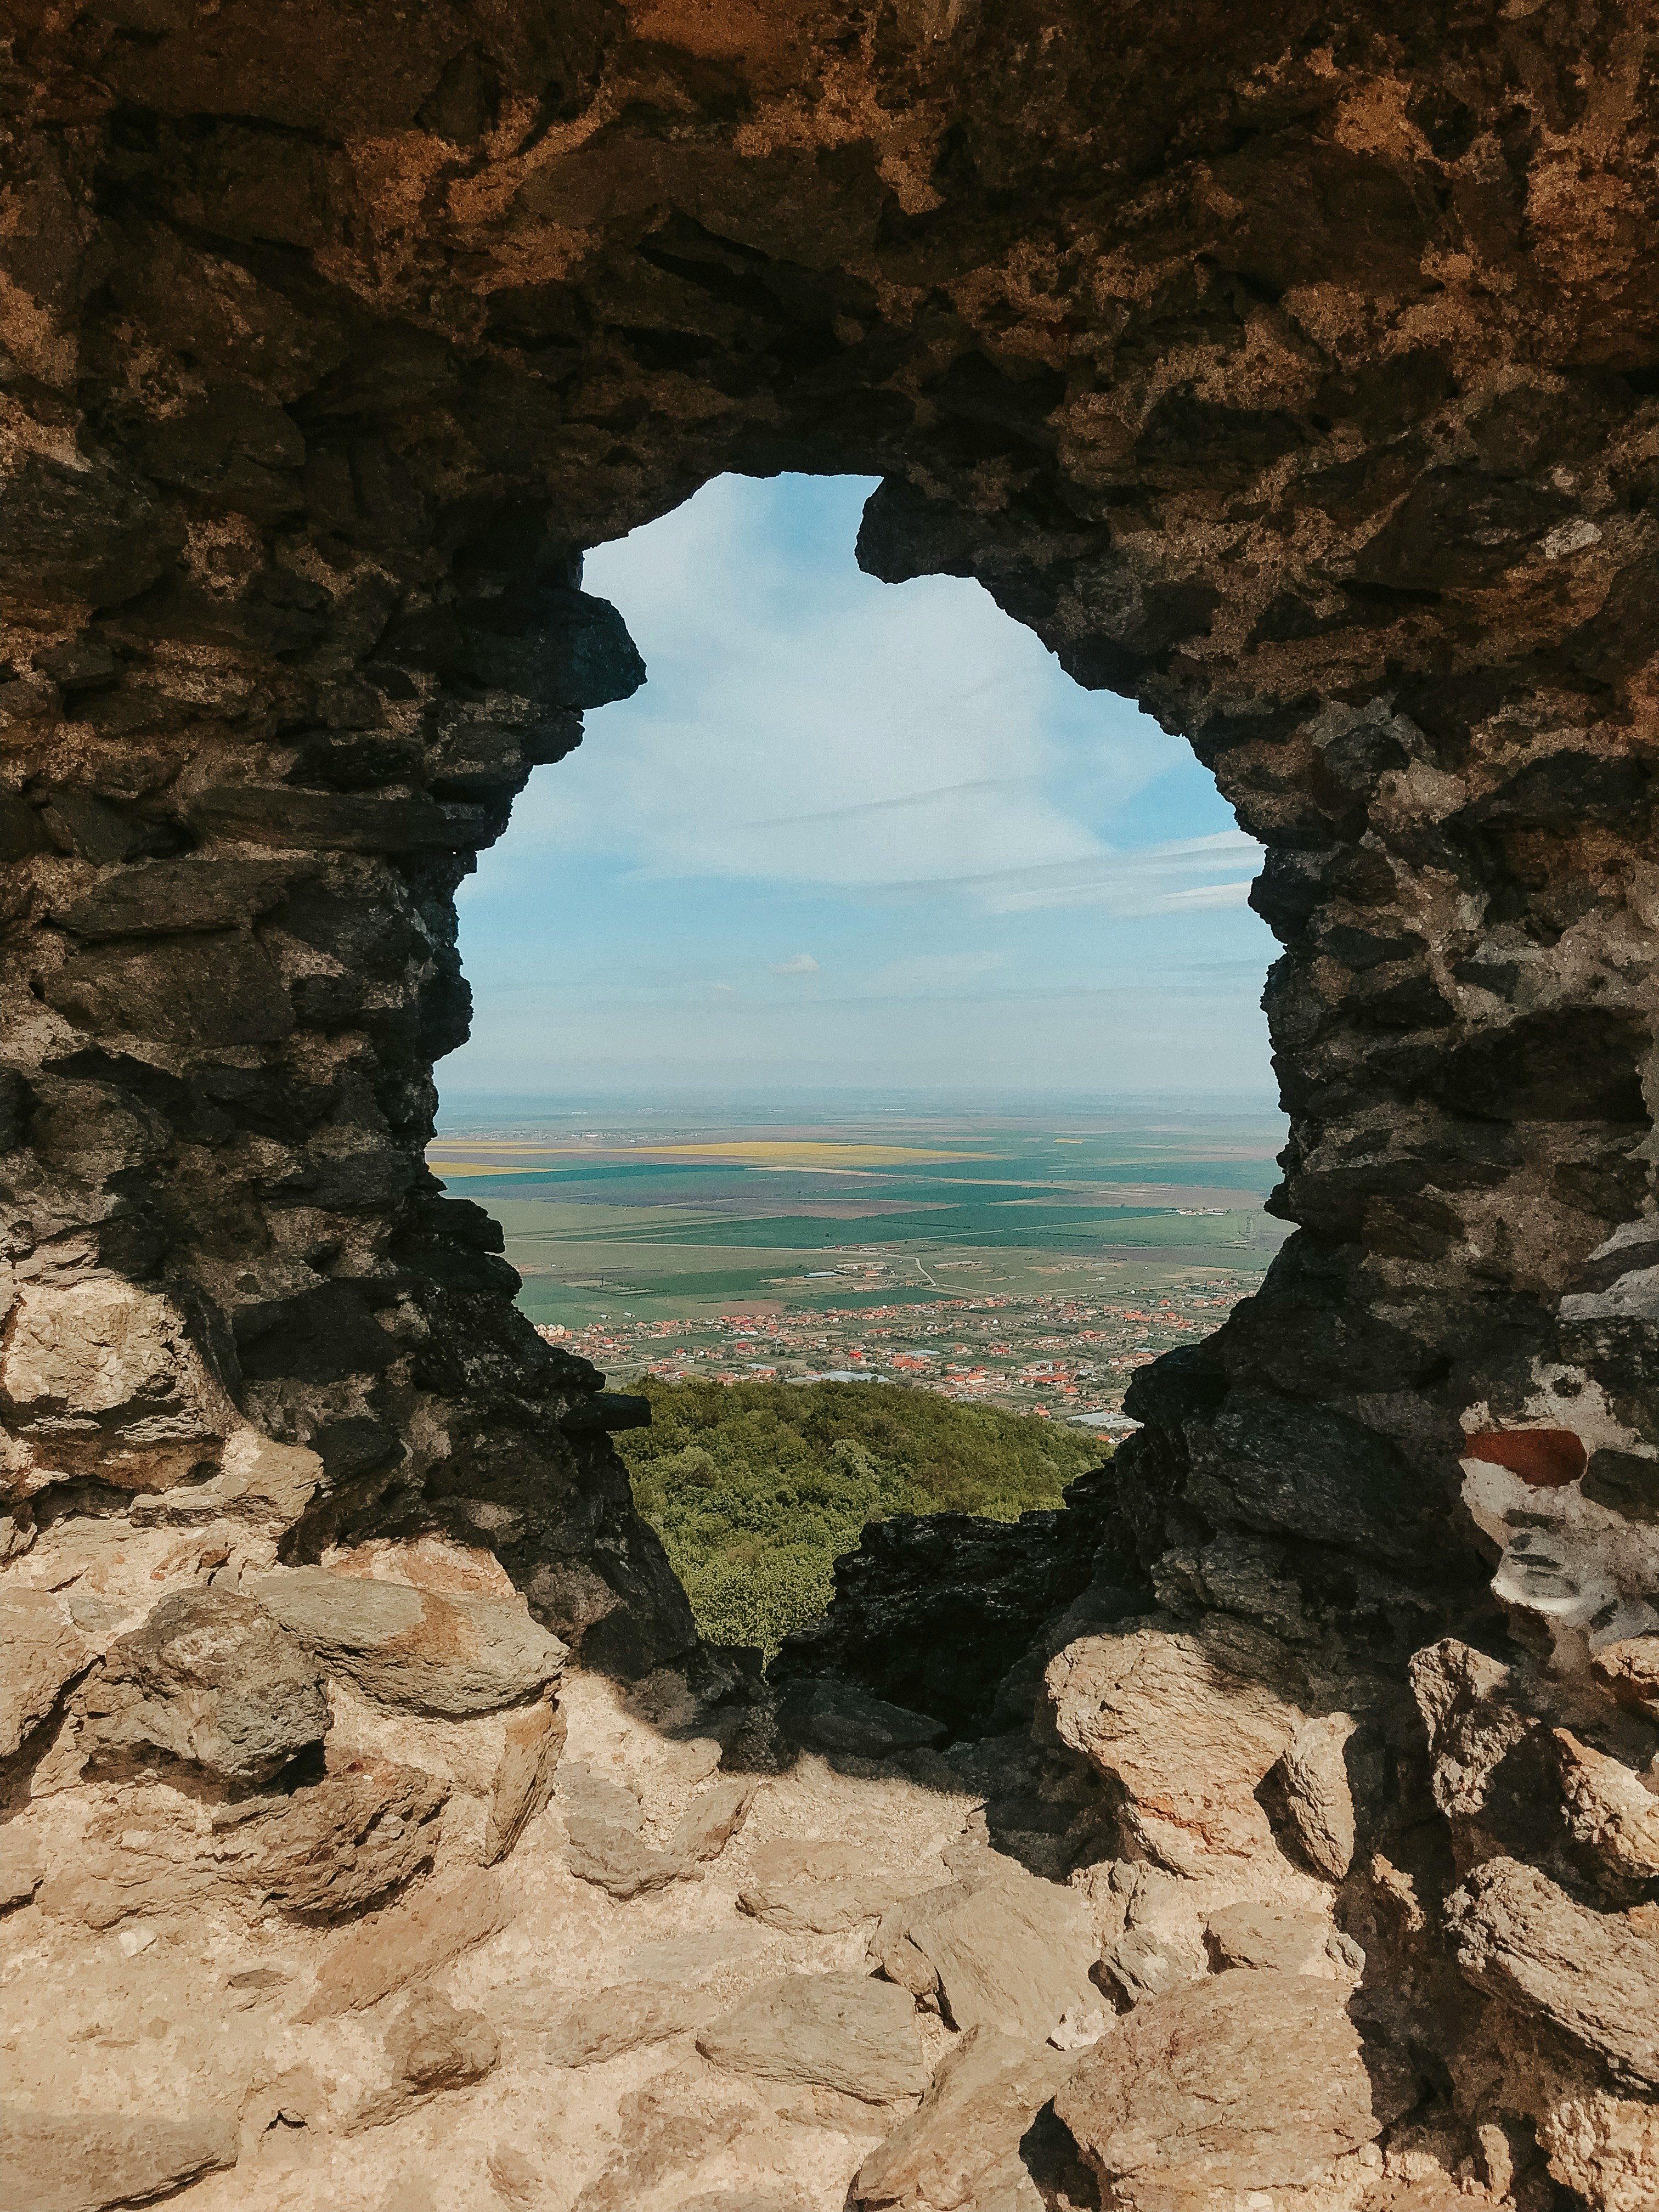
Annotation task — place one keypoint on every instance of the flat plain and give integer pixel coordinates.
(678, 1244)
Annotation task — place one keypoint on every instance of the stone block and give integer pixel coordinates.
(829, 1716)
(83, 2161)
(1238, 2084)
(843, 2032)
(211, 1678)
(415, 1650)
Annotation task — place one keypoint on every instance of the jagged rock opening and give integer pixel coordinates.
(1295, 374)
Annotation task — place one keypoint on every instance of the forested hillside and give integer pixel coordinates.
(756, 1488)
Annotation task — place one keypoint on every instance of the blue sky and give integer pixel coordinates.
(854, 835)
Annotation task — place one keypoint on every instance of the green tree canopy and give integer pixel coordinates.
(757, 1488)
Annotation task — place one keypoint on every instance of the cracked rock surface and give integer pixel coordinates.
(1293, 371)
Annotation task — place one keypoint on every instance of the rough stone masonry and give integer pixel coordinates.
(1291, 370)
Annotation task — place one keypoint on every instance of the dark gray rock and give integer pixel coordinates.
(824, 1715)
(212, 1679)
(81, 823)
(336, 822)
(932, 1612)
(169, 896)
(218, 989)
(558, 647)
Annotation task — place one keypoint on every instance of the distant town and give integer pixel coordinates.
(1067, 1356)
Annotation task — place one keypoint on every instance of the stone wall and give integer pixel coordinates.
(1294, 373)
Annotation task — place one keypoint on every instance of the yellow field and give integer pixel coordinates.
(459, 1158)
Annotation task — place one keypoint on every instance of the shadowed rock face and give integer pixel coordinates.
(1298, 385)
(1295, 374)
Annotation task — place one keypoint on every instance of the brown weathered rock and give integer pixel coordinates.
(1188, 1723)
(1267, 1937)
(1475, 1720)
(440, 1922)
(413, 1649)
(1629, 1669)
(165, 1870)
(812, 1888)
(524, 1780)
(598, 2028)
(786, 1859)
(602, 1822)
(21, 1865)
(1313, 1794)
(1592, 1975)
(84, 2161)
(1008, 1951)
(104, 1378)
(341, 1845)
(1146, 1962)
(40, 1650)
(843, 2031)
(807, 1908)
(210, 1678)
(961, 2147)
(1243, 2083)
(1611, 1814)
(685, 1962)
(665, 2138)
(429, 2045)
(1607, 2149)
(712, 1818)
(602, 1819)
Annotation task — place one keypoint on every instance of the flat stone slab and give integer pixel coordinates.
(845, 2032)
(451, 1656)
(82, 2162)
(1008, 1950)
(588, 2030)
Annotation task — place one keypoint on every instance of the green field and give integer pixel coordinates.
(1134, 1202)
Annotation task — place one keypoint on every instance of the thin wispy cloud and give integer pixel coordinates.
(1157, 880)
(1211, 896)
(1003, 878)
(888, 806)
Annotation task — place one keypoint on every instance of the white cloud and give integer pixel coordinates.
(900, 777)
(1149, 882)
(1210, 895)
(802, 723)
(885, 805)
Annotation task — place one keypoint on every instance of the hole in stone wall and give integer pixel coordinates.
(862, 998)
